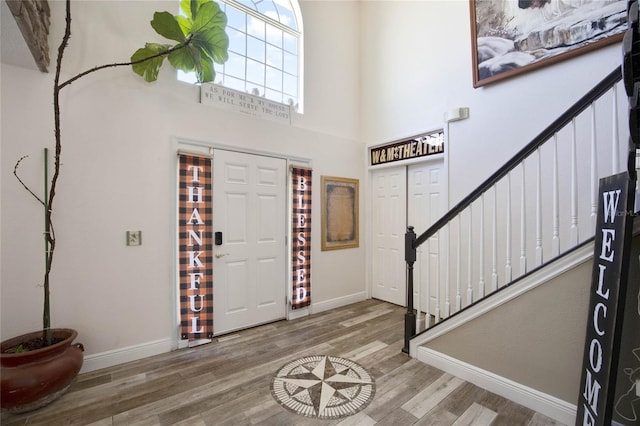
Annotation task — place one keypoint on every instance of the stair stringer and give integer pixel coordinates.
(538, 401)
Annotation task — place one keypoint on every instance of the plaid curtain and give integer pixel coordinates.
(301, 237)
(195, 248)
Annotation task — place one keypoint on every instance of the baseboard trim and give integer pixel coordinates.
(338, 302)
(131, 353)
(548, 405)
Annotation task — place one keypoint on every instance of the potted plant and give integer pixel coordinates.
(38, 367)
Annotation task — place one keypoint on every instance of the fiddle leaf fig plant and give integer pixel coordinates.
(201, 40)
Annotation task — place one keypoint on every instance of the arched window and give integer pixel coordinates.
(265, 50)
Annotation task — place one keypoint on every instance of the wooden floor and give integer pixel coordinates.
(227, 382)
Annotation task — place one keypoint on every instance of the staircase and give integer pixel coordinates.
(528, 224)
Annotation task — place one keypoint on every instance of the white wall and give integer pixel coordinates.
(418, 66)
(118, 172)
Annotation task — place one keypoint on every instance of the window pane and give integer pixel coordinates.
(236, 19)
(247, 3)
(256, 27)
(237, 41)
(235, 65)
(274, 79)
(290, 43)
(290, 85)
(274, 56)
(256, 49)
(274, 96)
(274, 35)
(286, 14)
(255, 72)
(290, 63)
(187, 77)
(233, 83)
(266, 7)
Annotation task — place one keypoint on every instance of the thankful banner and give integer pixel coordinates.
(301, 237)
(195, 249)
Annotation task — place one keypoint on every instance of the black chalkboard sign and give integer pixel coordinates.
(606, 306)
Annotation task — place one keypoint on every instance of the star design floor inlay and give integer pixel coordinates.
(323, 386)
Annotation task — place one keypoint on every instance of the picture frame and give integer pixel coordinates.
(512, 37)
(340, 216)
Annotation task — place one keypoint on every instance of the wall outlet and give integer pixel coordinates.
(134, 238)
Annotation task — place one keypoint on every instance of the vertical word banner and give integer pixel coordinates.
(606, 307)
(301, 237)
(195, 249)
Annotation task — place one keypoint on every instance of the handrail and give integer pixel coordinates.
(412, 241)
(582, 104)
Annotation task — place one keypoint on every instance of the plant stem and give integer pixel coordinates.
(50, 240)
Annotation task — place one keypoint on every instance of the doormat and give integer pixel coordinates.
(323, 387)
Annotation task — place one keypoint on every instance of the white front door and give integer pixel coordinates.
(427, 202)
(249, 268)
(389, 211)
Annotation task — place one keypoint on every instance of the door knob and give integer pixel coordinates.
(219, 255)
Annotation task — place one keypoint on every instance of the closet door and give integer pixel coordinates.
(389, 220)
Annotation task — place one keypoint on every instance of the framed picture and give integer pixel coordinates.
(510, 37)
(340, 228)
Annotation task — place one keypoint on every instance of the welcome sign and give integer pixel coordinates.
(301, 237)
(195, 249)
(606, 306)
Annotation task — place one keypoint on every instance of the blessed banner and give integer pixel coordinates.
(301, 237)
(195, 249)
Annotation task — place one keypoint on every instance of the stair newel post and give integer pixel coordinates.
(410, 258)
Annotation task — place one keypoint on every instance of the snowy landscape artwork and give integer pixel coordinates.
(510, 37)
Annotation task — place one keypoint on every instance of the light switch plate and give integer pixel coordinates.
(134, 238)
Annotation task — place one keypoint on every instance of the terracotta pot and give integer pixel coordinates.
(33, 379)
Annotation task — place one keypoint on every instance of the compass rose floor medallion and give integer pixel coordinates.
(323, 387)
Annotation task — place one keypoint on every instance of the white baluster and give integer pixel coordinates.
(447, 289)
(555, 242)
(494, 242)
(615, 137)
(538, 209)
(574, 186)
(523, 226)
(481, 251)
(437, 277)
(417, 290)
(594, 167)
(427, 307)
(469, 265)
(508, 274)
(458, 255)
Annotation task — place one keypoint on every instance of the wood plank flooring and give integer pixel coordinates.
(227, 382)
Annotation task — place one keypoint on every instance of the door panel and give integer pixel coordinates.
(249, 208)
(389, 226)
(427, 202)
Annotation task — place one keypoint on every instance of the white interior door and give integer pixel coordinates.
(249, 269)
(389, 189)
(427, 202)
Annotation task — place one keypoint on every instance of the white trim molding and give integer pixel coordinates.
(338, 302)
(540, 402)
(122, 355)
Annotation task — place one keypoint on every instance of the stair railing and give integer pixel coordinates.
(557, 208)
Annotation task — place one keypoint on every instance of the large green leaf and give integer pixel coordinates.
(148, 69)
(184, 59)
(185, 24)
(166, 25)
(201, 38)
(214, 43)
(209, 16)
